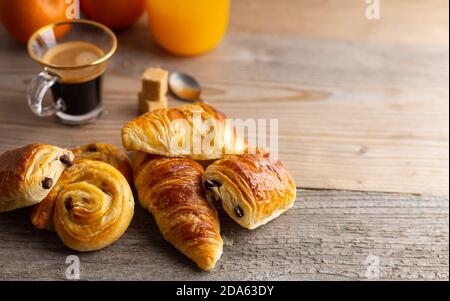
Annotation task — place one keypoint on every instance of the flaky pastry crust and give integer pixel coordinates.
(170, 188)
(253, 189)
(27, 174)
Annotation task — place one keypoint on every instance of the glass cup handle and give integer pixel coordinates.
(36, 92)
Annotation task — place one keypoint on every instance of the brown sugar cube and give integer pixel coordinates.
(161, 104)
(155, 83)
(145, 105)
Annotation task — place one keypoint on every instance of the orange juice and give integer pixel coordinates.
(188, 27)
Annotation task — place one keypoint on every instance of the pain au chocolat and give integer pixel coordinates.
(253, 188)
(28, 174)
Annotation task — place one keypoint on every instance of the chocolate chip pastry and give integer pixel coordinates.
(27, 174)
(90, 206)
(253, 188)
(107, 153)
(42, 214)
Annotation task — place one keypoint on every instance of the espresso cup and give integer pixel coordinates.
(74, 57)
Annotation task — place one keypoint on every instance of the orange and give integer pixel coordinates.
(116, 14)
(188, 27)
(23, 17)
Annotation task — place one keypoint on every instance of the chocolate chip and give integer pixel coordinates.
(238, 211)
(211, 183)
(47, 183)
(66, 160)
(69, 204)
(92, 148)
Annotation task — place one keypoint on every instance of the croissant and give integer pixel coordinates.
(107, 153)
(196, 131)
(27, 174)
(253, 188)
(170, 188)
(91, 205)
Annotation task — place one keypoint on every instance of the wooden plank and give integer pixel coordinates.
(400, 20)
(328, 235)
(352, 115)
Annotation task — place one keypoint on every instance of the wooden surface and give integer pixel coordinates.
(362, 105)
(328, 235)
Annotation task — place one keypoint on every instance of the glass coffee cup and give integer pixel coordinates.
(74, 57)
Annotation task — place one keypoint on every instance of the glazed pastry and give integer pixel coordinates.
(170, 188)
(107, 153)
(253, 189)
(27, 174)
(91, 206)
(170, 133)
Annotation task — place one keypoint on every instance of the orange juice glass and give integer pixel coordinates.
(188, 27)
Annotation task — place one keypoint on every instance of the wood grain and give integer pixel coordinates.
(326, 236)
(405, 21)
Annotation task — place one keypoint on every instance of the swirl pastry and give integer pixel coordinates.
(170, 188)
(107, 153)
(92, 205)
(27, 174)
(253, 189)
(196, 131)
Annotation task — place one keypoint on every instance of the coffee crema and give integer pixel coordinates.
(79, 87)
(75, 54)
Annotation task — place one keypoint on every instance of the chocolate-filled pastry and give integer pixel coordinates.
(107, 153)
(27, 174)
(253, 189)
(171, 189)
(91, 206)
(196, 131)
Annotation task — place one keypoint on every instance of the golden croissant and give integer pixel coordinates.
(91, 206)
(170, 188)
(253, 188)
(107, 153)
(27, 174)
(196, 131)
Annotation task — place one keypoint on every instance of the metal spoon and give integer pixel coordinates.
(185, 87)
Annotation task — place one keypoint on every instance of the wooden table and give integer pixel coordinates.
(363, 109)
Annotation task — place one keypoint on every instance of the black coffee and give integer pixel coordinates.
(79, 98)
(79, 87)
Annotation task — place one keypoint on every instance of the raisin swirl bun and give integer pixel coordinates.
(27, 174)
(91, 206)
(107, 153)
(253, 188)
(171, 189)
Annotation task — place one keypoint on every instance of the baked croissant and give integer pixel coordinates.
(254, 189)
(107, 153)
(27, 174)
(171, 189)
(178, 132)
(91, 206)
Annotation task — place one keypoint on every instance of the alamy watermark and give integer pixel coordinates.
(73, 9)
(73, 270)
(209, 136)
(372, 263)
(373, 9)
